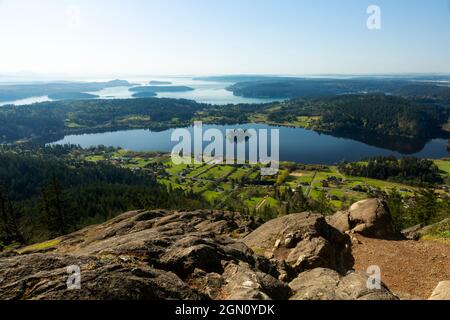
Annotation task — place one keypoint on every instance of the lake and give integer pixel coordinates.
(204, 92)
(296, 144)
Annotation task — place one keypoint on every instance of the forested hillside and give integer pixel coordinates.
(372, 114)
(381, 114)
(310, 88)
(408, 170)
(59, 117)
(46, 192)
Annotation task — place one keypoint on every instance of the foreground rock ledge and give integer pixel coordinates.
(188, 255)
(442, 291)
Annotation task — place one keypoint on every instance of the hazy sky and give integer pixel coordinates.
(223, 36)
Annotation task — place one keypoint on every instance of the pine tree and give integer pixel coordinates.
(322, 203)
(57, 209)
(426, 206)
(299, 202)
(394, 201)
(9, 220)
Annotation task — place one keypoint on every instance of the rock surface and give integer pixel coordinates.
(442, 291)
(304, 241)
(326, 284)
(147, 255)
(419, 231)
(190, 255)
(370, 218)
(413, 233)
(45, 276)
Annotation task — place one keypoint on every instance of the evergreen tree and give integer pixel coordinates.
(9, 220)
(394, 201)
(322, 204)
(426, 206)
(299, 202)
(57, 209)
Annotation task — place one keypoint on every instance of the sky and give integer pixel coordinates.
(201, 37)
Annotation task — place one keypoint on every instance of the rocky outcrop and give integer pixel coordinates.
(189, 255)
(442, 291)
(243, 283)
(303, 241)
(370, 218)
(326, 284)
(413, 233)
(418, 231)
(147, 255)
(45, 276)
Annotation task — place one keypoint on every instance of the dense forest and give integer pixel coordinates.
(60, 117)
(311, 88)
(425, 207)
(382, 114)
(407, 170)
(429, 92)
(44, 192)
(144, 94)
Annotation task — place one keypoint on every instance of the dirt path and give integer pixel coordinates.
(308, 191)
(408, 268)
(261, 203)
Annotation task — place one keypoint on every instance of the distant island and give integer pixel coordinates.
(159, 83)
(72, 96)
(238, 78)
(117, 83)
(157, 89)
(23, 91)
(289, 88)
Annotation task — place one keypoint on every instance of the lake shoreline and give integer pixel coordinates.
(296, 144)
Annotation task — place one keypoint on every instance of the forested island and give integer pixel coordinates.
(72, 96)
(158, 88)
(307, 88)
(23, 91)
(239, 78)
(159, 83)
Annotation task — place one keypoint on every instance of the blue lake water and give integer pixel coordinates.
(27, 101)
(296, 144)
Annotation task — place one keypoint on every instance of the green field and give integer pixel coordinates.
(444, 166)
(217, 172)
(240, 173)
(218, 183)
